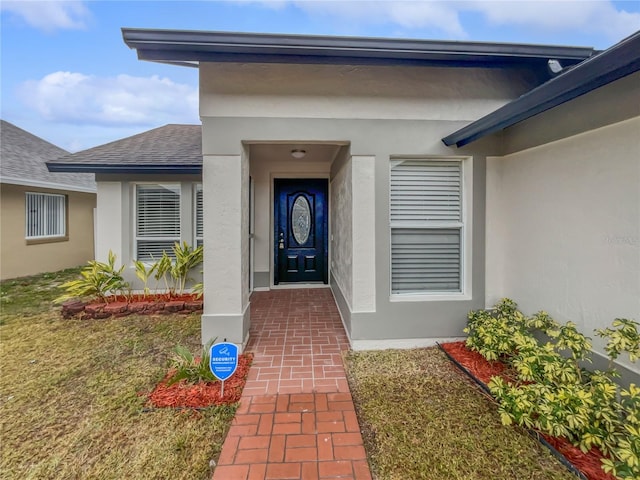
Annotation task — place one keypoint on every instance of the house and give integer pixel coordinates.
(149, 192)
(46, 218)
(417, 179)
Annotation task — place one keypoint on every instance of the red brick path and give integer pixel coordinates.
(296, 418)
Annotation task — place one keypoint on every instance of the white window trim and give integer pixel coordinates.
(64, 217)
(466, 229)
(135, 236)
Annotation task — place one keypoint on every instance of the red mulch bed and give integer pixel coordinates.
(588, 463)
(204, 394)
(152, 297)
(123, 305)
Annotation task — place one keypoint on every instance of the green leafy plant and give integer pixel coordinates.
(198, 289)
(174, 272)
(190, 368)
(625, 457)
(493, 334)
(163, 269)
(623, 337)
(552, 393)
(144, 273)
(186, 258)
(98, 280)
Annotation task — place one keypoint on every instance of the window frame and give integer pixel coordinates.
(136, 237)
(464, 225)
(58, 237)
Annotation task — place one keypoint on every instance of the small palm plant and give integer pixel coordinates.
(98, 279)
(144, 274)
(190, 368)
(163, 267)
(177, 267)
(187, 258)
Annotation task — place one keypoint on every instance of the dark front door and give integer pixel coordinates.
(300, 218)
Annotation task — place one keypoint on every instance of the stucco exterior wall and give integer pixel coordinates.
(341, 240)
(20, 258)
(226, 247)
(380, 113)
(563, 228)
(363, 196)
(115, 218)
(375, 142)
(348, 91)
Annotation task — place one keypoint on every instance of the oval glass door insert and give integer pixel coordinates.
(301, 220)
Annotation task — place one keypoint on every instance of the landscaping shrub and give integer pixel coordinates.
(552, 393)
(174, 271)
(98, 280)
(190, 368)
(102, 280)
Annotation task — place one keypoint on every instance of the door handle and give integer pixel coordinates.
(281, 241)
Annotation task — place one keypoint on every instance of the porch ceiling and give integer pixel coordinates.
(281, 152)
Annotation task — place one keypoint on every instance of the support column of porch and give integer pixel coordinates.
(364, 234)
(225, 180)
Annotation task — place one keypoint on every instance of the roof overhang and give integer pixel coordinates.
(186, 47)
(125, 169)
(42, 184)
(608, 66)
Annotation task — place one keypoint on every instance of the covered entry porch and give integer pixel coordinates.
(255, 207)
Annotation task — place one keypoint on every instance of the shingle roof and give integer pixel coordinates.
(175, 148)
(23, 157)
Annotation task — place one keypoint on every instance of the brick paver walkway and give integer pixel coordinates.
(296, 418)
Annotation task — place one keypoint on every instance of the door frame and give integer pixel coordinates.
(272, 190)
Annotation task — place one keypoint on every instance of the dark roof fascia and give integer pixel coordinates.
(125, 169)
(185, 46)
(608, 66)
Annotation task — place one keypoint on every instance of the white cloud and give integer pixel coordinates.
(595, 16)
(446, 17)
(49, 15)
(407, 14)
(75, 98)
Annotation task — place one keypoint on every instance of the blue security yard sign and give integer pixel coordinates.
(223, 360)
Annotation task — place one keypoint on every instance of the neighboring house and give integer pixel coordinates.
(46, 218)
(418, 179)
(149, 192)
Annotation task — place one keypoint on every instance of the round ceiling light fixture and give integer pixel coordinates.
(297, 153)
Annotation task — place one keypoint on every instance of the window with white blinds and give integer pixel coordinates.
(157, 219)
(198, 214)
(426, 226)
(46, 216)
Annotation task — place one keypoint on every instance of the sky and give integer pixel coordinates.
(67, 76)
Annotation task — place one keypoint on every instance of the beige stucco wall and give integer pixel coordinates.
(341, 221)
(115, 222)
(20, 259)
(363, 196)
(349, 91)
(563, 227)
(380, 113)
(226, 247)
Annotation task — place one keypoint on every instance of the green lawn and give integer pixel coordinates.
(424, 420)
(69, 393)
